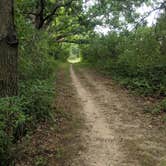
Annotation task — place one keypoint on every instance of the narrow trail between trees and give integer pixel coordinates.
(98, 137)
(117, 132)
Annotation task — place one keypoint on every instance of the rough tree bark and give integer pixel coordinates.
(39, 14)
(8, 50)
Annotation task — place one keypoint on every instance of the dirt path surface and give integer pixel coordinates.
(55, 142)
(117, 132)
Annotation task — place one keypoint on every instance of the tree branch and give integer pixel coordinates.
(57, 6)
(40, 13)
(162, 6)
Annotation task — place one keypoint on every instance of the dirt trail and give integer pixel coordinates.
(98, 137)
(117, 132)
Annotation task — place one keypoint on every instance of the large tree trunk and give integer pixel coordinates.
(8, 50)
(39, 14)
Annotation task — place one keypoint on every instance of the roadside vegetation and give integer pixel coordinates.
(28, 68)
(20, 114)
(136, 59)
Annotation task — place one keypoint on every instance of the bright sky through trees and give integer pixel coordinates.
(151, 19)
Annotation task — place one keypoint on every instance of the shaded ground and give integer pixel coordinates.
(55, 143)
(118, 132)
(97, 123)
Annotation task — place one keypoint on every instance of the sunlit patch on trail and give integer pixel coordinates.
(75, 54)
(74, 59)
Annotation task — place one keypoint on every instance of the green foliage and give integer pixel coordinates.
(19, 115)
(40, 161)
(38, 96)
(161, 107)
(35, 52)
(61, 52)
(11, 116)
(119, 14)
(136, 59)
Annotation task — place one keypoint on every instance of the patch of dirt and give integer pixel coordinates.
(102, 149)
(118, 132)
(68, 104)
(58, 143)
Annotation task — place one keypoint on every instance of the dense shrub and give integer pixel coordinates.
(20, 114)
(38, 97)
(11, 117)
(136, 59)
(160, 107)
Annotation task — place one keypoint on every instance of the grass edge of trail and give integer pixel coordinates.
(55, 143)
(71, 140)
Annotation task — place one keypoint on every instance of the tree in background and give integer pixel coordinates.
(133, 56)
(65, 20)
